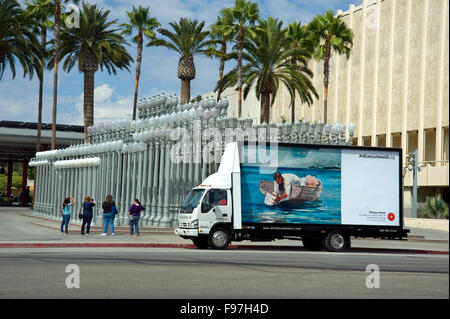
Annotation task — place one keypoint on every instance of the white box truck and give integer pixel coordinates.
(320, 194)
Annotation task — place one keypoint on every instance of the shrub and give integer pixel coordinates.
(435, 207)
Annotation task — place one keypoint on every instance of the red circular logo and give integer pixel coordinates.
(391, 216)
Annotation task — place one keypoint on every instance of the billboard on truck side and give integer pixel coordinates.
(292, 184)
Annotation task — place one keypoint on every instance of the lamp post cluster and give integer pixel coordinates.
(60, 173)
(158, 158)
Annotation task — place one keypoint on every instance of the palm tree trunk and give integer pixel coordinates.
(138, 72)
(186, 72)
(55, 70)
(41, 87)
(265, 107)
(239, 56)
(88, 103)
(223, 49)
(293, 62)
(325, 104)
(326, 72)
(293, 108)
(39, 123)
(185, 91)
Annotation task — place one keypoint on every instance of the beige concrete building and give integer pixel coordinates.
(395, 86)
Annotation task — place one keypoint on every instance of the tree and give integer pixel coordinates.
(57, 28)
(56, 43)
(221, 36)
(41, 11)
(18, 41)
(240, 19)
(268, 56)
(188, 39)
(94, 44)
(329, 33)
(145, 25)
(298, 36)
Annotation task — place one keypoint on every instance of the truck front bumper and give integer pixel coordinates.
(186, 232)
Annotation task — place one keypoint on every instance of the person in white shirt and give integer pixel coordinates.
(282, 186)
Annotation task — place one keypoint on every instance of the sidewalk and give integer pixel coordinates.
(21, 228)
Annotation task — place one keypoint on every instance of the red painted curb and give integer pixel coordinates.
(72, 245)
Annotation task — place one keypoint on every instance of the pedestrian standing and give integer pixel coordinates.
(135, 214)
(108, 219)
(114, 212)
(68, 202)
(88, 205)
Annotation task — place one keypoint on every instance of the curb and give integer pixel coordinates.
(427, 223)
(191, 246)
(142, 229)
(117, 230)
(92, 245)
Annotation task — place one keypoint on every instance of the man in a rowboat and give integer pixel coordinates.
(282, 185)
(282, 189)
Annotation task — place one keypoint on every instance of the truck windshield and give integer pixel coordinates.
(191, 201)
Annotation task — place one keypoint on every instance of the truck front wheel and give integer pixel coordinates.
(219, 238)
(201, 242)
(336, 241)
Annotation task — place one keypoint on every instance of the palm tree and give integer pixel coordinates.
(298, 36)
(328, 32)
(268, 55)
(241, 19)
(188, 39)
(57, 30)
(18, 42)
(140, 20)
(94, 44)
(41, 11)
(221, 36)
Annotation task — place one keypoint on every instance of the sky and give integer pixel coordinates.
(113, 95)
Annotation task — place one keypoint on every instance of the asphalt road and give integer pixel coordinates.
(128, 273)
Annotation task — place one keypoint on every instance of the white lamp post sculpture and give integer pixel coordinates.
(134, 159)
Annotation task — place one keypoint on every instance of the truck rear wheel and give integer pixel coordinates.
(336, 241)
(201, 242)
(219, 238)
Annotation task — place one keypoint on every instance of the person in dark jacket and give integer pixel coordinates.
(135, 214)
(108, 217)
(88, 204)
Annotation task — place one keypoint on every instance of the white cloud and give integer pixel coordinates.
(108, 106)
(19, 100)
(103, 93)
(121, 107)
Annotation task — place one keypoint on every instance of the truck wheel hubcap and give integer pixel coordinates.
(337, 241)
(219, 238)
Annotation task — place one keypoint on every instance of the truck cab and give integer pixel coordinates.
(206, 216)
(204, 209)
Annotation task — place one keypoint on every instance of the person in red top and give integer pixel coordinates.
(222, 199)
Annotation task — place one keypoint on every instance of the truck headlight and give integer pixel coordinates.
(194, 224)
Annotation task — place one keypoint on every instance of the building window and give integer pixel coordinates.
(430, 146)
